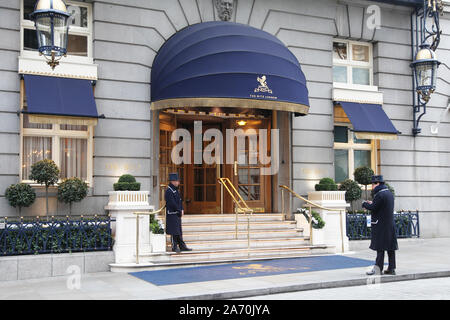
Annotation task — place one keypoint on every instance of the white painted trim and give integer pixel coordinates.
(69, 67)
(354, 94)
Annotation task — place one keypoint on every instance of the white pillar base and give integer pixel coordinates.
(124, 228)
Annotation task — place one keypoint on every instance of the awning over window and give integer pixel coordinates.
(60, 100)
(369, 121)
(224, 64)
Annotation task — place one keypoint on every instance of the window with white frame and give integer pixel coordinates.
(352, 63)
(69, 146)
(351, 153)
(80, 30)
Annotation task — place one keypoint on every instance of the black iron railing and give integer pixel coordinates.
(406, 225)
(55, 235)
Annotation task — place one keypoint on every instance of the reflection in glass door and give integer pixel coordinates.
(254, 188)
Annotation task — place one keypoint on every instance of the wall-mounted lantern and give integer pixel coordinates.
(52, 27)
(425, 38)
(425, 70)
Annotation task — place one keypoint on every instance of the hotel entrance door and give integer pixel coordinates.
(252, 185)
(199, 182)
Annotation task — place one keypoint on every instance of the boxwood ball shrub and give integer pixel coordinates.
(45, 172)
(20, 195)
(363, 175)
(326, 184)
(127, 182)
(352, 190)
(72, 190)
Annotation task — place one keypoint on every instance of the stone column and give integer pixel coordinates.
(121, 206)
(335, 223)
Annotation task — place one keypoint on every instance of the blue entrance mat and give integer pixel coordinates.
(250, 269)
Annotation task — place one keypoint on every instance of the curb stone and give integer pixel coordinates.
(312, 286)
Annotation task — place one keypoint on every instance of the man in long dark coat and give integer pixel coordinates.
(383, 227)
(174, 212)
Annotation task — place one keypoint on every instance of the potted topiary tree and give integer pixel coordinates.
(326, 192)
(72, 190)
(20, 195)
(363, 175)
(352, 191)
(45, 172)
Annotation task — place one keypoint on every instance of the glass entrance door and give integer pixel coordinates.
(254, 187)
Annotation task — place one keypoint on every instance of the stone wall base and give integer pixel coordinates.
(53, 265)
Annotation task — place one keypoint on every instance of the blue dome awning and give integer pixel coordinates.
(225, 64)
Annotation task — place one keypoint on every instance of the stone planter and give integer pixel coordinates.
(334, 232)
(158, 242)
(318, 236)
(121, 206)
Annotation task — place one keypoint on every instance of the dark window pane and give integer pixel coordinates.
(198, 176)
(30, 40)
(28, 7)
(198, 193)
(340, 165)
(211, 176)
(340, 134)
(211, 193)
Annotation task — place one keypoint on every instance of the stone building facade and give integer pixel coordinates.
(116, 41)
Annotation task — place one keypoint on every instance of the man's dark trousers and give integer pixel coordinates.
(380, 259)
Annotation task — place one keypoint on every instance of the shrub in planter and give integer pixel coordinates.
(363, 175)
(20, 195)
(352, 190)
(326, 184)
(127, 183)
(72, 190)
(317, 221)
(45, 172)
(155, 226)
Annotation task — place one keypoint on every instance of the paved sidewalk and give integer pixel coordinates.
(421, 259)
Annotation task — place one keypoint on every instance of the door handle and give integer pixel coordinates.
(235, 168)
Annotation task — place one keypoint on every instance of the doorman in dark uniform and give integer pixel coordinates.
(174, 212)
(383, 227)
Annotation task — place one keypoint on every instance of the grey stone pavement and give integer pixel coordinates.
(416, 259)
(424, 289)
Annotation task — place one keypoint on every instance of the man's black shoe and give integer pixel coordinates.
(176, 249)
(391, 272)
(186, 249)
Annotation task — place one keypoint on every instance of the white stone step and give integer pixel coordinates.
(243, 244)
(225, 226)
(230, 255)
(229, 235)
(216, 218)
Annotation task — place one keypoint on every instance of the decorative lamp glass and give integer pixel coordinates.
(52, 27)
(425, 71)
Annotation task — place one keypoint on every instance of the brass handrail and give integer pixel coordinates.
(226, 182)
(311, 204)
(148, 213)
